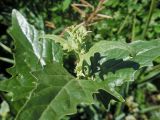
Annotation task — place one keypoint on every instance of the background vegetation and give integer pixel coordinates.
(131, 20)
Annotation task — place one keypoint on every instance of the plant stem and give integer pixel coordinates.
(127, 89)
(150, 109)
(118, 109)
(123, 24)
(7, 60)
(5, 48)
(152, 6)
(3, 118)
(153, 68)
(145, 79)
(148, 79)
(133, 29)
(120, 117)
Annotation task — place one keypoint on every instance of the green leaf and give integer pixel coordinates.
(105, 50)
(58, 93)
(146, 51)
(50, 92)
(110, 49)
(30, 54)
(66, 4)
(57, 39)
(116, 61)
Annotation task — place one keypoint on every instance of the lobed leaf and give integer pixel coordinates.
(58, 93)
(30, 54)
(50, 92)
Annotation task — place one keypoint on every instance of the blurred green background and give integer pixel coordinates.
(132, 20)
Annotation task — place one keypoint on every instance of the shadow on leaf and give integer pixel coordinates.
(110, 65)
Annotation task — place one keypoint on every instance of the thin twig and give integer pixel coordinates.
(82, 13)
(94, 16)
(88, 4)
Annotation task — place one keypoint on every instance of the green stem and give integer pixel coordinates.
(150, 109)
(153, 68)
(7, 60)
(120, 117)
(148, 79)
(152, 6)
(4, 118)
(123, 24)
(127, 88)
(133, 29)
(5, 48)
(145, 78)
(118, 109)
